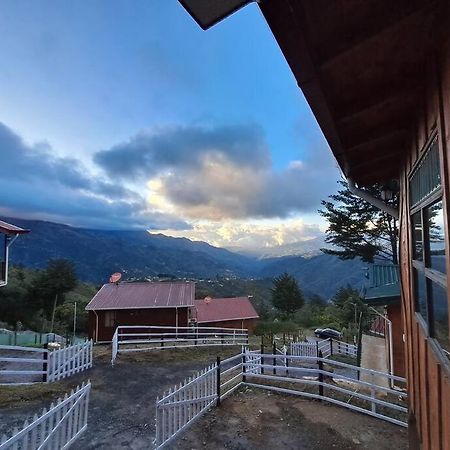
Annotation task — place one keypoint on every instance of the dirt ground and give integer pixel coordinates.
(122, 410)
(255, 419)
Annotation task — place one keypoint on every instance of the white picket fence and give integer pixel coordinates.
(24, 365)
(183, 404)
(328, 347)
(56, 428)
(180, 406)
(68, 361)
(138, 338)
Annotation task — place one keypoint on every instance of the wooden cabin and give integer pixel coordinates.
(376, 74)
(154, 304)
(231, 312)
(384, 291)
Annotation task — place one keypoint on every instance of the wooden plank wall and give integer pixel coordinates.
(427, 371)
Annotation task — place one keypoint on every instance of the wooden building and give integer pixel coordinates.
(8, 234)
(161, 303)
(384, 291)
(376, 74)
(232, 312)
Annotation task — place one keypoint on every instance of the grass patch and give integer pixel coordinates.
(17, 396)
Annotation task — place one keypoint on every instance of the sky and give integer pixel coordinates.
(126, 115)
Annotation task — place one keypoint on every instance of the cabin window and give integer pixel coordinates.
(109, 319)
(428, 245)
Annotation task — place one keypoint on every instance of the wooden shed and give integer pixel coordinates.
(376, 74)
(231, 312)
(157, 304)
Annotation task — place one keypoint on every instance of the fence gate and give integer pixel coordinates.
(180, 406)
(56, 428)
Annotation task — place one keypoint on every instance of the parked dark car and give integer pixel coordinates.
(327, 333)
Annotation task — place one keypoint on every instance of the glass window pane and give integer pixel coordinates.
(421, 294)
(435, 232)
(417, 237)
(440, 315)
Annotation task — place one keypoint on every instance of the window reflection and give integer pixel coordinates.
(435, 216)
(417, 236)
(421, 294)
(440, 313)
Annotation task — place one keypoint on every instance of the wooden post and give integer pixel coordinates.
(218, 381)
(320, 374)
(162, 341)
(45, 364)
(331, 346)
(317, 348)
(274, 359)
(287, 361)
(262, 358)
(244, 369)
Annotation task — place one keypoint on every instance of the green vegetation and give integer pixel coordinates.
(358, 229)
(287, 297)
(33, 299)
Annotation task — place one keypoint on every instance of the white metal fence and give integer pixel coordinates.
(56, 428)
(184, 403)
(141, 338)
(328, 347)
(23, 365)
(309, 376)
(334, 385)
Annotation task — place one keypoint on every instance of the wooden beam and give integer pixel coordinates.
(388, 28)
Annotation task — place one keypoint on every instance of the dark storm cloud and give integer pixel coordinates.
(33, 180)
(146, 154)
(223, 172)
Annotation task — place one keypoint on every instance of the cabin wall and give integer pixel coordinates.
(249, 324)
(427, 369)
(394, 313)
(149, 316)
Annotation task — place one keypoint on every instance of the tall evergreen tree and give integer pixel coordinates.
(286, 294)
(357, 228)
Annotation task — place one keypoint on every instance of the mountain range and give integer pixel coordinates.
(139, 254)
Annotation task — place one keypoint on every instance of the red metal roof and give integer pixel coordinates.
(221, 309)
(7, 228)
(143, 295)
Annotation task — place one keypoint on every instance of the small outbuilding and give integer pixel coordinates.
(232, 312)
(139, 303)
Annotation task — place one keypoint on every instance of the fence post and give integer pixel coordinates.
(162, 341)
(331, 346)
(262, 359)
(274, 359)
(45, 364)
(320, 374)
(218, 381)
(317, 348)
(244, 369)
(287, 360)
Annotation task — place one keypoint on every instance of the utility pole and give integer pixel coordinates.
(53, 313)
(74, 320)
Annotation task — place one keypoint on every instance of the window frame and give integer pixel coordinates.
(423, 268)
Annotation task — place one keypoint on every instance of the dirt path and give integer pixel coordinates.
(257, 419)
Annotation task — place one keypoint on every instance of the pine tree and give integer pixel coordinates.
(286, 294)
(358, 229)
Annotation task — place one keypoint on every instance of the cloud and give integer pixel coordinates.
(220, 173)
(34, 181)
(250, 235)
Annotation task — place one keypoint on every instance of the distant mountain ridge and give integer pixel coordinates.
(138, 254)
